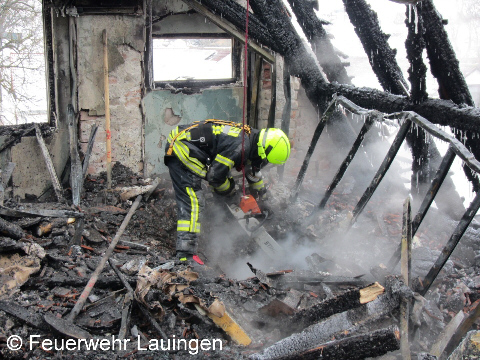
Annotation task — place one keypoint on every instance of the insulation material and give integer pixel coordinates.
(15, 269)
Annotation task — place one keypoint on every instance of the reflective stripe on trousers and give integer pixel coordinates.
(190, 202)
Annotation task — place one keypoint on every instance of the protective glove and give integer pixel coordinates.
(262, 194)
(230, 191)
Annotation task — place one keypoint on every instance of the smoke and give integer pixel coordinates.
(328, 242)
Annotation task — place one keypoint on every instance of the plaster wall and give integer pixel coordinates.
(125, 57)
(165, 110)
(31, 175)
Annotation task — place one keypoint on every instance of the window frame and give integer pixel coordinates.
(197, 84)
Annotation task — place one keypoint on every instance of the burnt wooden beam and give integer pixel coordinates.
(313, 28)
(287, 109)
(440, 176)
(48, 161)
(382, 170)
(24, 314)
(313, 143)
(91, 141)
(348, 300)
(255, 91)
(417, 140)
(464, 327)
(415, 44)
(374, 344)
(380, 55)
(227, 27)
(451, 244)
(445, 68)
(39, 212)
(273, 98)
(93, 279)
(444, 64)
(343, 324)
(303, 65)
(11, 230)
(103, 282)
(348, 159)
(76, 178)
(236, 14)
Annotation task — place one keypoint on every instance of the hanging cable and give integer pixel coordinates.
(245, 69)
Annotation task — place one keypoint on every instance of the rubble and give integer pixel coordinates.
(146, 296)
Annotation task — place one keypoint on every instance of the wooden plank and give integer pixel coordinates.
(347, 300)
(39, 212)
(91, 141)
(451, 244)
(76, 179)
(231, 327)
(66, 327)
(463, 328)
(12, 230)
(255, 92)
(107, 110)
(382, 170)
(363, 346)
(93, 279)
(229, 28)
(439, 346)
(23, 314)
(48, 161)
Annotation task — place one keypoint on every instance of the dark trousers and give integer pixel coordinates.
(190, 203)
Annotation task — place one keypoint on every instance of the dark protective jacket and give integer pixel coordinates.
(211, 150)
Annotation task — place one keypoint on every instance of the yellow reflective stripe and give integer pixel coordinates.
(182, 151)
(234, 131)
(173, 133)
(257, 186)
(217, 129)
(194, 226)
(224, 186)
(225, 161)
(226, 129)
(183, 225)
(195, 161)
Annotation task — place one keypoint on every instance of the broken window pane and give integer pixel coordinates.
(192, 59)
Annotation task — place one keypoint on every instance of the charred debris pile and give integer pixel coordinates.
(156, 307)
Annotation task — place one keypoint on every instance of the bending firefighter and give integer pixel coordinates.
(208, 150)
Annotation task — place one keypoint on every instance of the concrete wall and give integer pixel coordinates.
(31, 175)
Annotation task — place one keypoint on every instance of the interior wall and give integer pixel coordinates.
(125, 55)
(140, 120)
(165, 110)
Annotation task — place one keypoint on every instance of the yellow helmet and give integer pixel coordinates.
(273, 145)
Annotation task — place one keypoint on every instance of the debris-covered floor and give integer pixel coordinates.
(325, 289)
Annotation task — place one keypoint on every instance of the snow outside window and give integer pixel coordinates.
(181, 59)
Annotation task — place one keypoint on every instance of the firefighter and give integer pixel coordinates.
(208, 150)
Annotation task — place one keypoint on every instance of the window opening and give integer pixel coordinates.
(189, 59)
(22, 64)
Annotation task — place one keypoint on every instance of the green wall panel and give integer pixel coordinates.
(165, 110)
